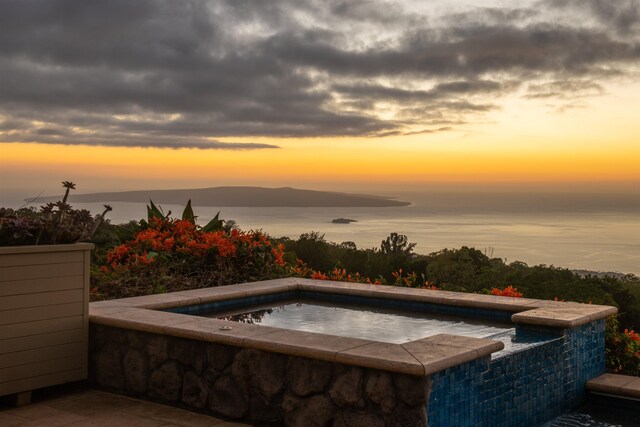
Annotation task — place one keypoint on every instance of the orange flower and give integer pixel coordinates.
(509, 291)
(278, 253)
(430, 286)
(319, 276)
(632, 334)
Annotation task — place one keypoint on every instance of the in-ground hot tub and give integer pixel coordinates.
(304, 352)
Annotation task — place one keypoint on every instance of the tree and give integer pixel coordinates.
(313, 249)
(397, 244)
(348, 246)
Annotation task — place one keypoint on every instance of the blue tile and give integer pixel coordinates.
(521, 389)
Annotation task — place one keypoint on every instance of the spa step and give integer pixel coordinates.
(623, 386)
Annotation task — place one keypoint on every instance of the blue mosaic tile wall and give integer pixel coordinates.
(588, 357)
(526, 388)
(456, 394)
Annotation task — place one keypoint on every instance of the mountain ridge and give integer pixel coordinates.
(239, 196)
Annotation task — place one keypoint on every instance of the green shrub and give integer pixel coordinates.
(622, 349)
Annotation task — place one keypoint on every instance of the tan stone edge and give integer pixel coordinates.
(569, 316)
(619, 385)
(205, 295)
(139, 313)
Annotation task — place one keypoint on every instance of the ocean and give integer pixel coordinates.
(598, 232)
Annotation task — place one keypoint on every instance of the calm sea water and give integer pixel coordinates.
(592, 232)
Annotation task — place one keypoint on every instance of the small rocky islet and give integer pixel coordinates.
(343, 221)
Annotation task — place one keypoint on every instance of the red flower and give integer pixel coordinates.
(319, 276)
(278, 253)
(632, 334)
(509, 291)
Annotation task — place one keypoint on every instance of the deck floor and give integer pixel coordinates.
(88, 407)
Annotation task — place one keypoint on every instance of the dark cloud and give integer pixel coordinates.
(564, 89)
(418, 132)
(51, 132)
(181, 74)
(622, 16)
(55, 136)
(439, 91)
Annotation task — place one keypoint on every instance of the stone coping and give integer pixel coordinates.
(617, 385)
(421, 357)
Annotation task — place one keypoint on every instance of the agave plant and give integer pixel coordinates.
(154, 211)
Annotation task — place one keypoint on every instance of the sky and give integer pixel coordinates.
(326, 94)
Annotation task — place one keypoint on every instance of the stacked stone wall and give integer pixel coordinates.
(253, 386)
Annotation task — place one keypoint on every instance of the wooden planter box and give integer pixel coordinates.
(44, 316)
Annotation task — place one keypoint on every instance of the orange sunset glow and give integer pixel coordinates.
(526, 142)
(316, 96)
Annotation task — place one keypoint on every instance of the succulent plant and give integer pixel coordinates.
(54, 223)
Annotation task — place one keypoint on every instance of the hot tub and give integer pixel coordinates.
(287, 351)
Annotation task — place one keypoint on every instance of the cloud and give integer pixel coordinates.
(185, 74)
(173, 143)
(564, 89)
(623, 16)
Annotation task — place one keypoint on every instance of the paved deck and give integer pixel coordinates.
(97, 408)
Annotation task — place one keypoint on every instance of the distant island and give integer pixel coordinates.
(343, 221)
(238, 197)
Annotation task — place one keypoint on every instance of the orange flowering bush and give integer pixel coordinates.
(171, 254)
(509, 291)
(337, 274)
(633, 336)
(181, 240)
(622, 349)
(342, 275)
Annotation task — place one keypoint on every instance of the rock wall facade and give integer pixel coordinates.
(253, 386)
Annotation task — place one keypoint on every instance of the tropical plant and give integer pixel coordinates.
(622, 349)
(54, 223)
(167, 254)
